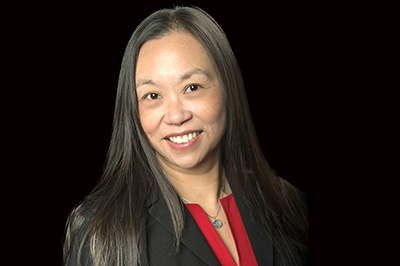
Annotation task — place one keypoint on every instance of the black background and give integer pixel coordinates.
(71, 58)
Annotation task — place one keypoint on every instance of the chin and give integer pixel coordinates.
(187, 163)
(183, 162)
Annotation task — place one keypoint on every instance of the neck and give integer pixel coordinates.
(201, 185)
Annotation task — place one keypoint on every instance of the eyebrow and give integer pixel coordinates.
(183, 77)
(142, 82)
(196, 71)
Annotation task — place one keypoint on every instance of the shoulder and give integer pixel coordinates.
(77, 239)
(290, 191)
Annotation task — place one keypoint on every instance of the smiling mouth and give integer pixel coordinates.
(185, 138)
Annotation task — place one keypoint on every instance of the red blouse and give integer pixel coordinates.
(242, 243)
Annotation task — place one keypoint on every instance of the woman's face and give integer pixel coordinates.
(181, 101)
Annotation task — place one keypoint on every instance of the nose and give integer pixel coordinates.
(176, 113)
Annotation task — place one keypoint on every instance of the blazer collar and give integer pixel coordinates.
(194, 240)
(192, 237)
(261, 244)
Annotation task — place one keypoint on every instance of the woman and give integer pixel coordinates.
(185, 181)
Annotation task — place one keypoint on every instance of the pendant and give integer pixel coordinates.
(217, 223)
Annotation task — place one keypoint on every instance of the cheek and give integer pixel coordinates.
(212, 111)
(149, 121)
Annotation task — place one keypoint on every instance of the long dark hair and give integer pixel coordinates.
(116, 206)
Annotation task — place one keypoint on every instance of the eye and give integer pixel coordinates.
(192, 87)
(152, 96)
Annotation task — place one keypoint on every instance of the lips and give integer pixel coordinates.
(183, 137)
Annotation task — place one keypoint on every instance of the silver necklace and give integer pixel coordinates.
(217, 223)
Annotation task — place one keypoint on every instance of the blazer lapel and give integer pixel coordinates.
(192, 237)
(261, 244)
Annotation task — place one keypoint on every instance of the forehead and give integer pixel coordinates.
(171, 56)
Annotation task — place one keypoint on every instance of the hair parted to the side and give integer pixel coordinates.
(109, 219)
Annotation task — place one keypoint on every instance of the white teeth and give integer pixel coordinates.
(184, 138)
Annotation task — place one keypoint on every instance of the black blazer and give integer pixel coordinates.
(194, 249)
